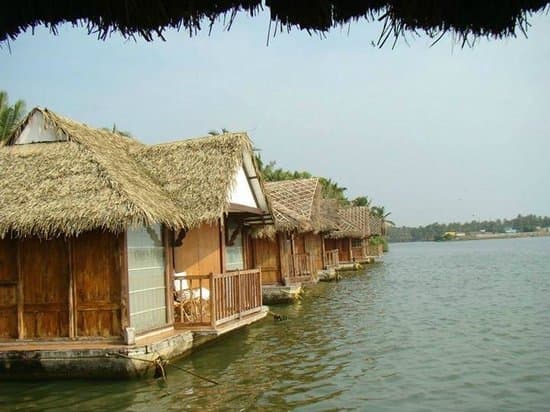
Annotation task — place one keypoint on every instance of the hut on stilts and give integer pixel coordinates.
(290, 252)
(92, 231)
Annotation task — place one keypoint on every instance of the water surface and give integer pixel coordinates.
(458, 326)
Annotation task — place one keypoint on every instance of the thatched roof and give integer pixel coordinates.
(86, 181)
(149, 18)
(375, 225)
(199, 173)
(354, 222)
(295, 204)
(329, 218)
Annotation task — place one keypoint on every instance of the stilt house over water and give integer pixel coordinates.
(291, 252)
(93, 227)
(216, 184)
(351, 238)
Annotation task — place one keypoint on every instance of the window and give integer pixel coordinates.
(146, 278)
(356, 242)
(234, 253)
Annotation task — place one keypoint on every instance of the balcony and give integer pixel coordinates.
(215, 300)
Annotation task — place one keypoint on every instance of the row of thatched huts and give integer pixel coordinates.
(115, 255)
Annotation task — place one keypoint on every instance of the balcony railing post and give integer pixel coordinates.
(213, 298)
(239, 297)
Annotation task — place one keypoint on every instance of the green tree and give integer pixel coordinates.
(380, 212)
(361, 201)
(10, 116)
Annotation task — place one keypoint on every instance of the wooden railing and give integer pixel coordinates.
(239, 294)
(215, 299)
(332, 258)
(300, 268)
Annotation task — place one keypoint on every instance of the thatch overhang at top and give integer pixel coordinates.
(375, 225)
(61, 177)
(148, 19)
(354, 222)
(295, 204)
(200, 175)
(329, 218)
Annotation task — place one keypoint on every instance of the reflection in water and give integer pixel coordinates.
(437, 326)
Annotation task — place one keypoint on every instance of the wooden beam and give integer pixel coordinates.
(73, 330)
(20, 295)
(221, 225)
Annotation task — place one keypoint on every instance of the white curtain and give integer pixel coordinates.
(146, 278)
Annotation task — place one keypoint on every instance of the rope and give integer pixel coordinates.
(160, 365)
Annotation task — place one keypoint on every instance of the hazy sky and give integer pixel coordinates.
(433, 133)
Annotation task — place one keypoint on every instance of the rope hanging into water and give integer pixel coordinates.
(160, 366)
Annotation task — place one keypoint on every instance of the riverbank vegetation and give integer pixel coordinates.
(438, 231)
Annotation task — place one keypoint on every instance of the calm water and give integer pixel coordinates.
(459, 326)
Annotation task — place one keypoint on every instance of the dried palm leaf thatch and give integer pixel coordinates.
(295, 204)
(148, 19)
(329, 217)
(86, 181)
(197, 173)
(353, 222)
(375, 224)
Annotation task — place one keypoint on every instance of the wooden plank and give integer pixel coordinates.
(20, 296)
(221, 225)
(97, 285)
(72, 295)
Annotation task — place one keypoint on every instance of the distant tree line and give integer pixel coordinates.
(527, 223)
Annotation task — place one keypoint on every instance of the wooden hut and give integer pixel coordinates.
(216, 185)
(291, 251)
(92, 230)
(351, 238)
(84, 262)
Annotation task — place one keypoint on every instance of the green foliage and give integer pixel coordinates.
(361, 201)
(436, 231)
(331, 189)
(379, 240)
(10, 116)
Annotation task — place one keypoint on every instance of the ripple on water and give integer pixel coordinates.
(461, 326)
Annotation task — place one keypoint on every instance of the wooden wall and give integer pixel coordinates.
(200, 252)
(45, 278)
(343, 248)
(266, 257)
(61, 288)
(8, 289)
(313, 244)
(96, 272)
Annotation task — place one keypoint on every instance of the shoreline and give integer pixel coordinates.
(486, 236)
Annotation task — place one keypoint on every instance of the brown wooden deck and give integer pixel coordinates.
(213, 300)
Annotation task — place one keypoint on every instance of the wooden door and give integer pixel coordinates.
(266, 257)
(8, 289)
(45, 278)
(97, 283)
(313, 246)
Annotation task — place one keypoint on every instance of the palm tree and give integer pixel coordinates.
(361, 201)
(9, 115)
(380, 212)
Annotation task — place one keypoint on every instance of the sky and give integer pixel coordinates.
(433, 133)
